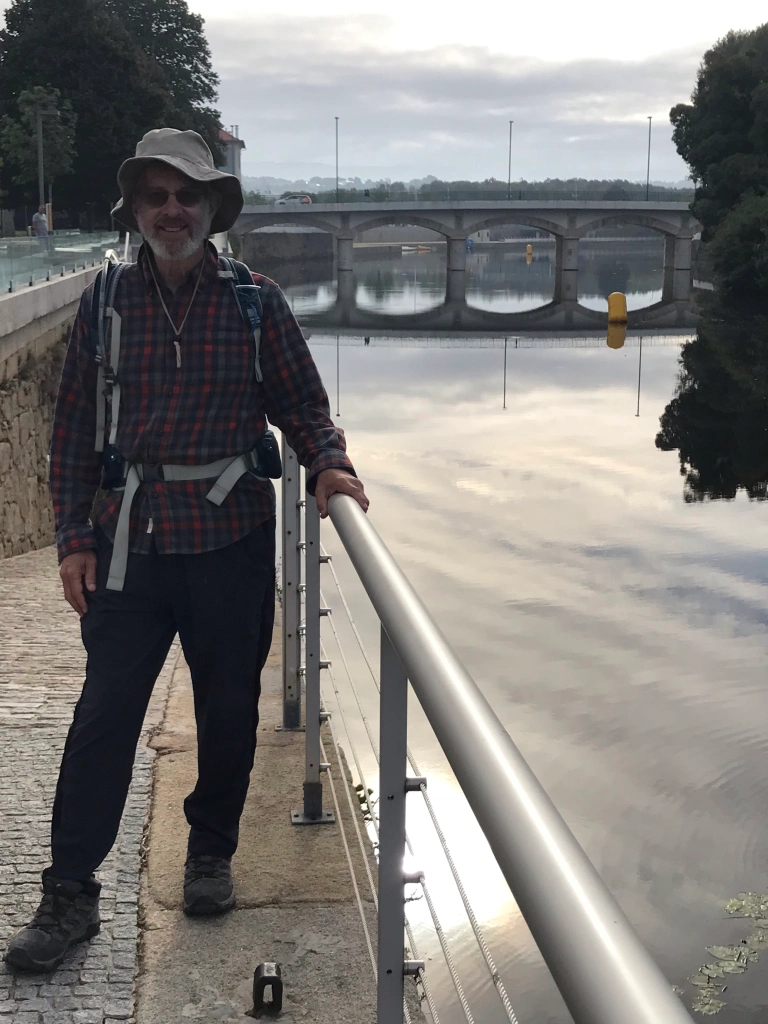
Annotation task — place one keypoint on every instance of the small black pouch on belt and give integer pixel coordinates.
(264, 457)
(112, 468)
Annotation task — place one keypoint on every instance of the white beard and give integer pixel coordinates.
(166, 248)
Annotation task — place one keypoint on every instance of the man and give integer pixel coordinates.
(40, 228)
(189, 398)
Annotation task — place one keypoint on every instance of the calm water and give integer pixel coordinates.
(616, 623)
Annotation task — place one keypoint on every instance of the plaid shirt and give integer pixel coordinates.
(209, 408)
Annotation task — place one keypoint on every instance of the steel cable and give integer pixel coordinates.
(411, 939)
(427, 896)
(498, 984)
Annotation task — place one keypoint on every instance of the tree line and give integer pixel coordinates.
(722, 134)
(98, 74)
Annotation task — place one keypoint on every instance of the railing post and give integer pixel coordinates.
(393, 785)
(291, 589)
(312, 812)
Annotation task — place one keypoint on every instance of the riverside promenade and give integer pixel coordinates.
(150, 964)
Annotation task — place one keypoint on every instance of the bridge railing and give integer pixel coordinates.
(603, 971)
(378, 195)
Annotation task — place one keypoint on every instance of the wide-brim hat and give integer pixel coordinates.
(188, 153)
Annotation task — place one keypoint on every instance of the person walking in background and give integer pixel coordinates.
(40, 228)
(184, 539)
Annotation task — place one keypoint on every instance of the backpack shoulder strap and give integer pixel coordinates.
(248, 296)
(102, 310)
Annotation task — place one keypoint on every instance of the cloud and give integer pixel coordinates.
(443, 110)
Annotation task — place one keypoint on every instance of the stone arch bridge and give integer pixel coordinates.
(567, 220)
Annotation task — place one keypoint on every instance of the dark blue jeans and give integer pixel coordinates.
(222, 605)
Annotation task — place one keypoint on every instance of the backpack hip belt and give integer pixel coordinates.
(226, 471)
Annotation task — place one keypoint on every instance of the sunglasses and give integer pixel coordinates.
(158, 197)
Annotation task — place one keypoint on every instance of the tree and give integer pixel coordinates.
(18, 139)
(115, 90)
(722, 134)
(739, 251)
(118, 89)
(717, 420)
(173, 37)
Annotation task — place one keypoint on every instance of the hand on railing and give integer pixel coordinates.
(338, 481)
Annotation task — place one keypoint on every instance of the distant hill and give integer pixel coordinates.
(271, 185)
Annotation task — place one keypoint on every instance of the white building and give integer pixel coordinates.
(233, 146)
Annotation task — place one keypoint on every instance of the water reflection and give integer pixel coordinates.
(618, 632)
(502, 290)
(718, 418)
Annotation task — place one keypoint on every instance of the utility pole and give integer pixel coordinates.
(337, 159)
(509, 169)
(40, 171)
(648, 171)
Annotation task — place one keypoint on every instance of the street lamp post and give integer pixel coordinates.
(337, 159)
(648, 170)
(40, 171)
(509, 168)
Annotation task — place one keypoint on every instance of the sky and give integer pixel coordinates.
(429, 88)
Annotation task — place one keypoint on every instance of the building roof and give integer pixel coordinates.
(227, 137)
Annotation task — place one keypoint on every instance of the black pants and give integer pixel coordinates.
(222, 605)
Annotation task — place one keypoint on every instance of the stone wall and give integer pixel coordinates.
(26, 412)
(275, 247)
(34, 327)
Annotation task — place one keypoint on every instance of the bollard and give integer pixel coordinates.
(267, 976)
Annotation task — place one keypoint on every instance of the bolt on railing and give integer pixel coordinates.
(604, 973)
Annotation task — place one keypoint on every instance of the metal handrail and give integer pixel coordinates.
(603, 971)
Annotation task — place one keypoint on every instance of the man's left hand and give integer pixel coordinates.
(338, 481)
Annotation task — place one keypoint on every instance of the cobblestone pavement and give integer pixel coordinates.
(42, 665)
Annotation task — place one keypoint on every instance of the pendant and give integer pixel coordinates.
(177, 346)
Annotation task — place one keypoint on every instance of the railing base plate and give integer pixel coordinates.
(300, 818)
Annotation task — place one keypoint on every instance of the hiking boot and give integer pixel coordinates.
(68, 914)
(207, 885)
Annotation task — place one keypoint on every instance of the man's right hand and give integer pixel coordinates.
(75, 569)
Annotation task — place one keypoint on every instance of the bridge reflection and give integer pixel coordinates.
(454, 314)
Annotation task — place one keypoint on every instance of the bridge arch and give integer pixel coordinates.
(633, 217)
(528, 220)
(402, 218)
(252, 222)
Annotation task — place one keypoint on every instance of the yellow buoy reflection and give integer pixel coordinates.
(617, 334)
(617, 308)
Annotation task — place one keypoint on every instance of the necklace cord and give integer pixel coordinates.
(177, 332)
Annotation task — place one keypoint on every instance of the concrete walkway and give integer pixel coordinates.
(150, 963)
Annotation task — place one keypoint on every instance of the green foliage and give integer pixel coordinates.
(718, 419)
(722, 134)
(118, 79)
(173, 37)
(739, 251)
(18, 138)
(254, 199)
(711, 980)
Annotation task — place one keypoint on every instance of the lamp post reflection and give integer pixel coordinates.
(504, 405)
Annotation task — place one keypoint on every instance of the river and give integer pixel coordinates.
(612, 610)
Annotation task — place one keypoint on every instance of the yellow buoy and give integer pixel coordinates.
(616, 335)
(529, 250)
(617, 308)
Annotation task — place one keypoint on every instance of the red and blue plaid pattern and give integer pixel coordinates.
(209, 408)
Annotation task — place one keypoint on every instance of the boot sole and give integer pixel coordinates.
(204, 907)
(22, 961)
